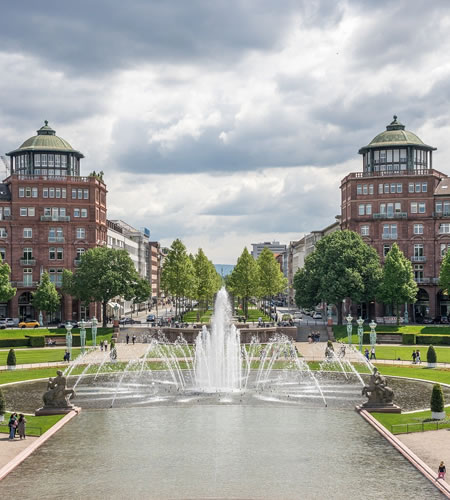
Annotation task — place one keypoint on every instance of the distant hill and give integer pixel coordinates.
(224, 269)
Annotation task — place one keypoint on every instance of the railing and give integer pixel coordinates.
(25, 284)
(27, 262)
(76, 262)
(418, 258)
(422, 281)
(394, 173)
(420, 426)
(55, 239)
(394, 215)
(389, 236)
(30, 430)
(445, 213)
(56, 178)
(55, 218)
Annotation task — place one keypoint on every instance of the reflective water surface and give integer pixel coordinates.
(213, 451)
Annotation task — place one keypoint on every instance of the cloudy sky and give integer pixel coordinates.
(224, 122)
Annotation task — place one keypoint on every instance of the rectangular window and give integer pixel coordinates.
(59, 253)
(86, 194)
(386, 188)
(31, 212)
(380, 188)
(418, 228)
(58, 192)
(413, 208)
(390, 208)
(37, 160)
(393, 188)
(47, 211)
(364, 230)
(34, 192)
(438, 206)
(418, 250)
(358, 189)
(63, 193)
(57, 161)
(52, 253)
(3, 253)
(444, 248)
(365, 191)
(3, 233)
(84, 212)
(80, 194)
(369, 209)
(28, 275)
(386, 249)
(27, 192)
(62, 211)
(21, 192)
(361, 210)
(398, 207)
(80, 252)
(424, 187)
(444, 228)
(74, 194)
(23, 212)
(43, 160)
(27, 232)
(394, 231)
(81, 233)
(399, 188)
(382, 208)
(422, 207)
(51, 192)
(370, 188)
(446, 207)
(76, 212)
(417, 187)
(51, 160)
(411, 187)
(45, 193)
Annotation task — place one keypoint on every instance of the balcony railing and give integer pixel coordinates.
(25, 284)
(27, 262)
(389, 236)
(56, 239)
(76, 262)
(395, 215)
(422, 281)
(435, 281)
(55, 218)
(394, 173)
(441, 214)
(418, 258)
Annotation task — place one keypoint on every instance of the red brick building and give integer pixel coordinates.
(49, 216)
(399, 197)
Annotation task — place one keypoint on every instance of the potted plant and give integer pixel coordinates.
(2, 406)
(431, 357)
(437, 403)
(11, 360)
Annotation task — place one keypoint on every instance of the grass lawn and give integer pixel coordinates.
(254, 314)
(191, 316)
(399, 423)
(404, 352)
(35, 426)
(36, 355)
(341, 330)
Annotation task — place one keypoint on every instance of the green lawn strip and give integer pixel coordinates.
(191, 316)
(255, 314)
(423, 373)
(417, 421)
(35, 426)
(340, 331)
(36, 355)
(404, 352)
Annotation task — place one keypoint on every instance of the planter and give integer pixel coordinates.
(431, 365)
(438, 415)
(11, 367)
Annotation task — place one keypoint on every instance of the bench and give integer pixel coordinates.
(55, 341)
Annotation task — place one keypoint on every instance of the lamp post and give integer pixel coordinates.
(116, 310)
(360, 322)
(373, 333)
(349, 328)
(83, 336)
(41, 319)
(94, 331)
(406, 316)
(69, 327)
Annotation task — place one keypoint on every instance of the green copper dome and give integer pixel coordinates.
(395, 135)
(46, 140)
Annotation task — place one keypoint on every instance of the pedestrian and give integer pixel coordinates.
(12, 424)
(101, 345)
(21, 426)
(418, 357)
(372, 353)
(366, 353)
(414, 357)
(127, 338)
(441, 471)
(134, 339)
(105, 345)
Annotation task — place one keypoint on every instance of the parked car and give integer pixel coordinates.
(298, 315)
(128, 321)
(12, 322)
(62, 324)
(151, 318)
(317, 315)
(427, 321)
(31, 323)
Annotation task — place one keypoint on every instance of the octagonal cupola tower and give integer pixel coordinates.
(396, 149)
(46, 154)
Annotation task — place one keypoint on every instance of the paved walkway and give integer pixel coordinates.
(10, 449)
(430, 446)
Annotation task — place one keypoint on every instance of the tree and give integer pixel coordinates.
(141, 291)
(444, 276)
(431, 355)
(397, 283)
(207, 281)
(341, 266)
(271, 279)
(46, 298)
(103, 273)
(178, 275)
(11, 359)
(244, 280)
(7, 292)
(437, 399)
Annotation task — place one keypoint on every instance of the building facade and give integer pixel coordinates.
(399, 197)
(275, 247)
(49, 216)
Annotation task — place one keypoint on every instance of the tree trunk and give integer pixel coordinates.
(339, 311)
(104, 314)
(398, 313)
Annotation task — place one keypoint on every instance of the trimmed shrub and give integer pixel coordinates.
(431, 355)
(14, 342)
(433, 339)
(409, 338)
(11, 359)
(2, 403)
(37, 341)
(437, 399)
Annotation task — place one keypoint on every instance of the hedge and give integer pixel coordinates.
(409, 338)
(21, 342)
(37, 341)
(433, 339)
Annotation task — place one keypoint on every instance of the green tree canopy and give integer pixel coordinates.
(46, 298)
(271, 279)
(142, 291)
(444, 276)
(103, 273)
(341, 266)
(207, 281)
(7, 292)
(397, 285)
(243, 282)
(178, 274)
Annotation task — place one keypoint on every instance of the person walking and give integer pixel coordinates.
(366, 353)
(134, 339)
(372, 353)
(414, 357)
(101, 345)
(105, 345)
(441, 471)
(418, 357)
(12, 424)
(21, 426)
(127, 338)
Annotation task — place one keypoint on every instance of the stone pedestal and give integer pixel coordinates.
(50, 410)
(380, 408)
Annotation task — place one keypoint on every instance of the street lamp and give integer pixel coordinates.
(69, 327)
(116, 310)
(360, 322)
(349, 328)
(82, 335)
(406, 317)
(373, 333)
(94, 331)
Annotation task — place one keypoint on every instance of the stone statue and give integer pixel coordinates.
(378, 392)
(57, 396)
